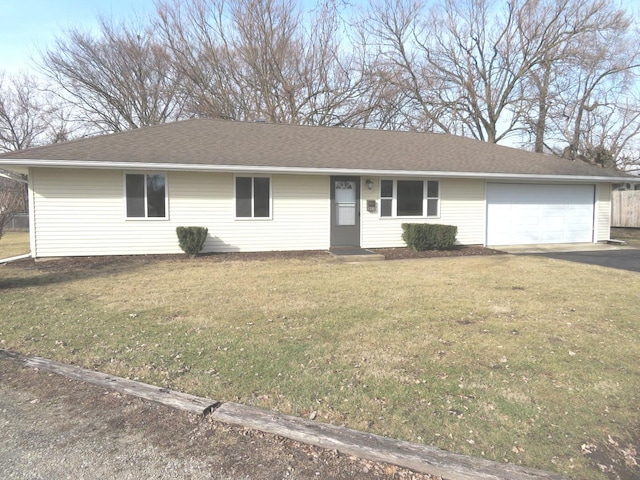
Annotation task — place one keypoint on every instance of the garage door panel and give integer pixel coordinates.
(524, 219)
(528, 213)
(526, 210)
(556, 223)
(545, 212)
(579, 221)
(579, 209)
(552, 236)
(523, 237)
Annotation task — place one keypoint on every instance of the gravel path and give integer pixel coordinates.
(55, 428)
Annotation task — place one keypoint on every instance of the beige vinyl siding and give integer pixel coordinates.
(461, 204)
(82, 212)
(602, 227)
(300, 218)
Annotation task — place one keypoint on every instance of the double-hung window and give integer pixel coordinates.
(253, 197)
(409, 198)
(146, 195)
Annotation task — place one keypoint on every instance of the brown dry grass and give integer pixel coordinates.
(630, 235)
(13, 244)
(516, 359)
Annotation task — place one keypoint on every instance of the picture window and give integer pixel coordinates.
(409, 198)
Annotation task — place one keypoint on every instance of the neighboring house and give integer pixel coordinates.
(261, 187)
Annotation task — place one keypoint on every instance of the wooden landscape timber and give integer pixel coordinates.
(170, 398)
(420, 458)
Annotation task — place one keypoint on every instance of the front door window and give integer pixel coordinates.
(345, 211)
(345, 203)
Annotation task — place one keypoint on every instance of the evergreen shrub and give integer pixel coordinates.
(427, 236)
(191, 239)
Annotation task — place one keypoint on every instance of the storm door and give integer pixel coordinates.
(345, 211)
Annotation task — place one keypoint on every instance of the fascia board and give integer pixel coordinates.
(312, 171)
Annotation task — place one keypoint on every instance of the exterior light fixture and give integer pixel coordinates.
(369, 183)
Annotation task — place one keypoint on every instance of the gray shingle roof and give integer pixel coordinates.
(226, 143)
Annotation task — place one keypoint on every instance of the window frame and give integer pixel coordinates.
(425, 197)
(252, 217)
(146, 216)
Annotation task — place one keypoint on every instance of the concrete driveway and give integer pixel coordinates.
(605, 255)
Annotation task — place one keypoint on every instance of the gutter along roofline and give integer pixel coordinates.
(161, 166)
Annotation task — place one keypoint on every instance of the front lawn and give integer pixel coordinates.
(520, 359)
(629, 235)
(13, 244)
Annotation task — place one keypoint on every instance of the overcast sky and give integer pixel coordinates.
(29, 25)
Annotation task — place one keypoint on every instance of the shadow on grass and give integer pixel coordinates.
(66, 270)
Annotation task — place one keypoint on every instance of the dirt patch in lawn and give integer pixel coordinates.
(458, 251)
(616, 458)
(71, 263)
(629, 235)
(76, 417)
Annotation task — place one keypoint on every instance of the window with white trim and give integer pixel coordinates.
(409, 198)
(253, 197)
(146, 195)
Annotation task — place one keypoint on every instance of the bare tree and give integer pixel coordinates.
(404, 91)
(12, 198)
(486, 53)
(596, 105)
(61, 124)
(24, 122)
(121, 79)
(584, 77)
(261, 60)
(199, 50)
(556, 71)
(24, 113)
(460, 64)
(555, 75)
(474, 51)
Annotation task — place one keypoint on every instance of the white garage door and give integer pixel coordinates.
(526, 214)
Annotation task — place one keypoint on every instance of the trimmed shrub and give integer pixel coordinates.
(427, 236)
(191, 239)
